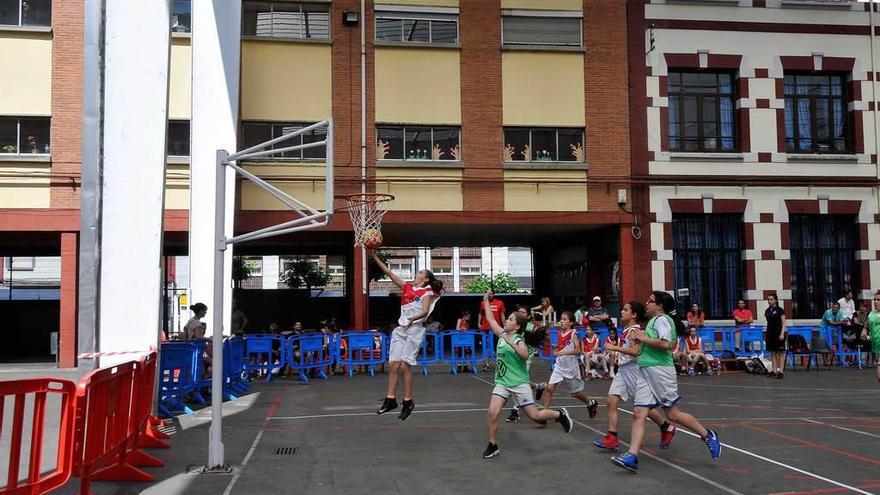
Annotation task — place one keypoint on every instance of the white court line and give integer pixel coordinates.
(431, 411)
(250, 452)
(686, 471)
(780, 464)
(841, 428)
(686, 384)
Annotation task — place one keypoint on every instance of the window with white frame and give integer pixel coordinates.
(254, 133)
(416, 27)
(417, 143)
(285, 20)
(26, 12)
(403, 269)
(542, 28)
(24, 135)
(21, 263)
(543, 144)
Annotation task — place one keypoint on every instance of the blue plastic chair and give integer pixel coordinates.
(463, 349)
(261, 348)
(308, 352)
(431, 350)
(752, 341)
(709, 343)
(234, 373)
(361, 351)
(176, 376)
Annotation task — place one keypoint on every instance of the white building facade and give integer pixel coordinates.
(755, 150)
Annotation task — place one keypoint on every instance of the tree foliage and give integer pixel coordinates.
(501, 283)
(242, 269)
(303, 272)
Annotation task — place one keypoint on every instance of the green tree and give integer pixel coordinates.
(242, 269)
(303, 272)
(374, 273)
(502, 283)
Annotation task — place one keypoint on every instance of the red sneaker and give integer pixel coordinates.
(666, 437)
(610, 442)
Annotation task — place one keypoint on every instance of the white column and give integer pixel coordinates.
(270, 272)
(136, 58)
(456, 269)
(216, 54)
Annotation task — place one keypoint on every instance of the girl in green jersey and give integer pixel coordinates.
(512, 377)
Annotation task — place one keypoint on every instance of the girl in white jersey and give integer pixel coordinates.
(632, 316)
(566, 372)
(416, 303)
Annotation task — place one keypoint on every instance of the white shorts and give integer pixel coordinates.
(693, 356)
(406, 344)
(568, 385)
(625, 382)
(522, 394)
(657, 386)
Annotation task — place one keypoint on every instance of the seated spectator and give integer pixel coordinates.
(594, 356)
(432, 325)
(597, 316)
(694, 349)
(543, 311)
(611, 356)
(696, 317)
(679, 357)
(464, 321)
(742, 316)
(274, 329)
(820, 347)
(194, 328)
(832, 321)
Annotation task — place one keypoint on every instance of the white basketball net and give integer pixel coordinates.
(366, 212)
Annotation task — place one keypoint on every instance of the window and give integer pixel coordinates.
(701, 108)
(815, 114)
(181, 16)
(441, 265)
(20, 136)
(541, 30)
(403, 270)
(254, 133)
(178, 138)
(416, 27)
(543, 145)
(417, 143)
(26, 12)
(285, 20)
(21, 263)
(707, 260)
(823, 261)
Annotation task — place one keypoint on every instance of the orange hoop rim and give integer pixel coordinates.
(364, 198)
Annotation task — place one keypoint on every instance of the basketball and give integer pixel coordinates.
(371, 239)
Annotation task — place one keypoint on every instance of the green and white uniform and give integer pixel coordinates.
(511, 374)
(874, 330)
(657, 385)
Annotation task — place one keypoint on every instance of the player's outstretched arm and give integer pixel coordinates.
(387, 271)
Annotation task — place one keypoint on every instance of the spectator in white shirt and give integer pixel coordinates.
(847, 305)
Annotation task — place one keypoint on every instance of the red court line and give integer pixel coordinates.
(814, 445)
(826, 490)
(274, 406)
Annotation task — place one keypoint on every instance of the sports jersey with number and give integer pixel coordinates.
(411, 302)
(510, 369)
(591, 344)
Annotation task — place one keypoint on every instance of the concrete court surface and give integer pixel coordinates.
(811, 433)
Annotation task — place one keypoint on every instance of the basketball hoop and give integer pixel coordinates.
(366, 211)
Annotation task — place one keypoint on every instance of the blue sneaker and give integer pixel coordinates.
(713, 443)
(627, 461)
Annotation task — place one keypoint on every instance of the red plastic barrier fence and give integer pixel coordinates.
(104, 437)
(40, 388)
(142, 420)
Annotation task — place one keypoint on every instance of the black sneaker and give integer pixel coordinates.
(772, 374)
(564, 419)
(780, 375)
(514, 416)
(387, 405)
(539, 391)
(593, 408)
(491, 451)
(408, 406)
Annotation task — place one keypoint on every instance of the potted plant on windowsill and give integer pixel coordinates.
(32, 140)
(9, 148)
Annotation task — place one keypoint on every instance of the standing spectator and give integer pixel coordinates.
(194, 328)
(696, 317)
(464, 321)
(239, 319)
(496, 307)
(775, 336)
(544, 311)
(597, 316)
(832, 321)
(581, 311)
(742, 316)
(847, 305)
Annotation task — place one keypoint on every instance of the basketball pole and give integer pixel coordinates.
(215, 434)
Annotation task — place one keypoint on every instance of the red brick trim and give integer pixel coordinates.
(766, 217)
(759, 3)
(765, 157)
(762, 103)
(779, 84)
(67, 318)
(744, 117)
(802, 206)
(863, 236)
(762, 73)
(865, 272)
(786, 274)
(829, 64)
(761, 27)
(780, 130)
(858, 132)
(742, 87)
(692, 61)
(729, 205)
(664, 128)
(669, 275)
(844, 207)
(749, 236)
(767, 254)
(686, 205)
(785, 235)
(750, 275)
(663, 86)
(667, 236)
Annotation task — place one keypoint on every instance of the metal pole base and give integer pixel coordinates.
(224, 469)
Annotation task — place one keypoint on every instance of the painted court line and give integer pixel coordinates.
(417, 411)
(685, 384)
(775, 462)
(841, 428)
(250, 452)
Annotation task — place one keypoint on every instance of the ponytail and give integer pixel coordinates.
(667, 302)
(435, 284)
